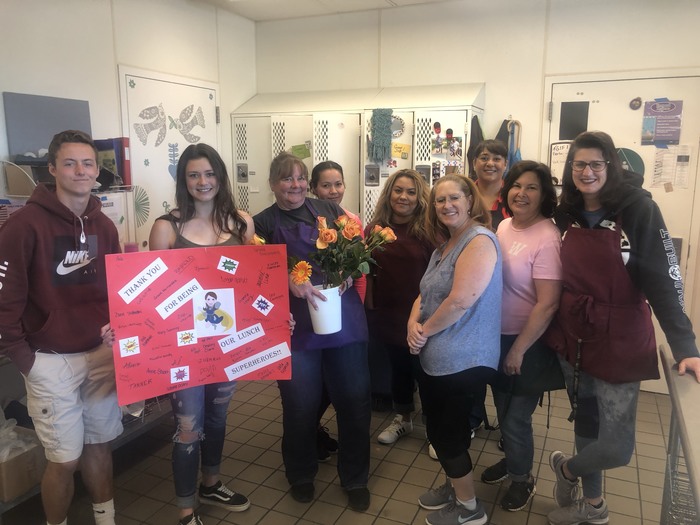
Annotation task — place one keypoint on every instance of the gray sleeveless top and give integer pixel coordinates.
(475, 339)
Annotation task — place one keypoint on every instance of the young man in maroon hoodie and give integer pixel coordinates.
(53, 317)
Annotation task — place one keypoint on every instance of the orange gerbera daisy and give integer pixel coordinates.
(301, 272)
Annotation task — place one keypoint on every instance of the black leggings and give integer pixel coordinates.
(447, 402)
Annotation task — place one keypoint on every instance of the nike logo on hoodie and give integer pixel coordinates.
(74, 260)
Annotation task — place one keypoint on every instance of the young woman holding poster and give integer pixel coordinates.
(205, 216)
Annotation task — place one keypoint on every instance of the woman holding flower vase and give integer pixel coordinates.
(338, 360)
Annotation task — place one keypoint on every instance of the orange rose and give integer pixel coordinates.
(326, 237)
(351, 230)
(341, 221)
(388, 234)
(376, 228)
(321, 223)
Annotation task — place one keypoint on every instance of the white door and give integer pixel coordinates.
(293, 133)
(614, 106)
(256, 141)
(162, 115)
(252, 150)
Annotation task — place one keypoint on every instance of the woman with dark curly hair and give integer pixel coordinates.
(393, 286)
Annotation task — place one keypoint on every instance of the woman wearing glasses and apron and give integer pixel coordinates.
(617, 261)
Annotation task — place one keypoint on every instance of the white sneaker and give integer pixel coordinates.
(431, 451)
(397, 429)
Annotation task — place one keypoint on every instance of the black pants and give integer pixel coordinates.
(447, 402)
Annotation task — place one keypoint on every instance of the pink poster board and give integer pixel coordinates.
(195, 316)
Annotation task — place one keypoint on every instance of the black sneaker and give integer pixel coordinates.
(322, 454)
(221, 496)
(303, 492)
(324, 438)
(518, 495)
(495, 473)
(192, 519)
(358, 499)
(500, 445)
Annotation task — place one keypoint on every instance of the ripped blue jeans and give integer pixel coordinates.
(200, 414)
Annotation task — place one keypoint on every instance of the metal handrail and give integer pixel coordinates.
(682, 484)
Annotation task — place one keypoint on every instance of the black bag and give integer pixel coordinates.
(539, 373)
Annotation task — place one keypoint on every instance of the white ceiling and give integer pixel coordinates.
(259, 10)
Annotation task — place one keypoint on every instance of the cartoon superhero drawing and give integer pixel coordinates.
(213, 315)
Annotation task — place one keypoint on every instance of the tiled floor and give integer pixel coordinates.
(398, 473)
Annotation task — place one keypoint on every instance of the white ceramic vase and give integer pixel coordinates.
(328, 318)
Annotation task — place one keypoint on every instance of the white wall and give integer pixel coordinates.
(72, 49)
(510, 45)
(60, 49)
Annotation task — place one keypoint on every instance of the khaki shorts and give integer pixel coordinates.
(72, 400)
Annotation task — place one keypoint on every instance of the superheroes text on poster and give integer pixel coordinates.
(195, 316)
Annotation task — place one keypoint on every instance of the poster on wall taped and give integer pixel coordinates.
(558, 153)
(196, 316)
(662, 122)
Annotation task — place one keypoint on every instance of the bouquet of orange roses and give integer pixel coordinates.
(341, 251)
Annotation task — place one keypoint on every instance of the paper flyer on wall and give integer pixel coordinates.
(195, 316)
(672, 167)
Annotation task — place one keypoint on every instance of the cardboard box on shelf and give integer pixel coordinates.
(21, 473)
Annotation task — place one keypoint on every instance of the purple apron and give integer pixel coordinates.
(301, 241)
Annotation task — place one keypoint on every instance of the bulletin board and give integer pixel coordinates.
(196, 316)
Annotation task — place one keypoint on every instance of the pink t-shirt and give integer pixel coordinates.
(532, 253)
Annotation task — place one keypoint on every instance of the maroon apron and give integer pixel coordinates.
(301, 241)
(603, 325)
